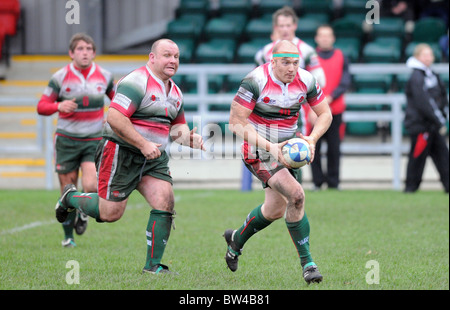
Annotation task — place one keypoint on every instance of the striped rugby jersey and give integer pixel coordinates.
(86, 121)
(141, 96)
(276, 106)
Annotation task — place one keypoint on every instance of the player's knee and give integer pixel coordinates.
(297, 199)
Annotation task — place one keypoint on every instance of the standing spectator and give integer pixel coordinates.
(77, 93)
(335, 66)
(425, 119)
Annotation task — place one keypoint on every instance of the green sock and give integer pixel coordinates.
(68, 225)
(254, 222)
(158, 232)
(85, 202)
(299, 232)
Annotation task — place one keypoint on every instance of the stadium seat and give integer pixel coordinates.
(401, 80)
(193, 6)
(389, 27)
(350, 47)
(307, 26)
(323, 18)
(428, 30)
(372, 83)
(247, 50)
(224, 28)
(233, 81)
(347, 27)
(186, 47)
(270, 6)
(382, 51)
(216, 51)
(361, 128)
(9, 16)
(184, 28)
(215, 83)
(259, 28)
(354, 7)
(235, 6)
(323, 7)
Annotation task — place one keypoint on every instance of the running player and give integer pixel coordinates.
(145, 112)
(77, 92)
(264, 113)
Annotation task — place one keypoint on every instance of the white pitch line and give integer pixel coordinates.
(44, 223)
(26, 226)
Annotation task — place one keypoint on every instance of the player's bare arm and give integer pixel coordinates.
(321, 125)
(183, 135)
(123, 127)
(241, 127)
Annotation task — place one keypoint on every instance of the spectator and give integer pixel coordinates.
(425, 119)
(335, 66)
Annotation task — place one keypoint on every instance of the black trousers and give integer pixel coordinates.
(333, 139)
(423, 145)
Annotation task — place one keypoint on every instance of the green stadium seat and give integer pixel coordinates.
(270, 6)
(428, 30)
(233, 82)
(354, 7)
(386, 51)
(323, 18)
(348, 27)
(316, 7)
(401, 81)
(186, 47)
(235, 6)
(215, 83)
(389, 27)
(193, 6)
(184, 28)
(409, 50)
(216, 51)
(361, 128)
(259, 28)
(246, 52)
(224, 28)
(350, 47)
(307, 26)
(372, 83)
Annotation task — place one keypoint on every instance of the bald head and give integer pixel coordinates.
(164, 58)
(285, 46)
(161, 42)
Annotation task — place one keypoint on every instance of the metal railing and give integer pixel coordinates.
(202, 100)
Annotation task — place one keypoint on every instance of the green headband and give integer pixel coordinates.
(285, 55)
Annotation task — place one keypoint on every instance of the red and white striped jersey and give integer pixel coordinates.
(276, 106)
(89, 88)
(141, 96)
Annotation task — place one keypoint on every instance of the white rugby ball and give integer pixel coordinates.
(297, 152)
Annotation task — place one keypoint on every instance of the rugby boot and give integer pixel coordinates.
(61, 209)
(231, 257)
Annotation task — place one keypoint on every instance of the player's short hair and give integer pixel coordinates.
(420, 47)
(81, 36)
(284, 11)
(325, 26)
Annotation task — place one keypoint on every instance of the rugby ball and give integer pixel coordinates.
(296, 152)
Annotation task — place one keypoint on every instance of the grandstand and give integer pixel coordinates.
(217, 41)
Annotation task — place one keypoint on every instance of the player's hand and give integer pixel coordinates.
(312, 145)
(150, 150)
(67, 106)
(276, 151)
(196, 140)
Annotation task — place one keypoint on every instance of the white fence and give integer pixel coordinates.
(202, 99)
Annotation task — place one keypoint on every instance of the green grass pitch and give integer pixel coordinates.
(405, 235)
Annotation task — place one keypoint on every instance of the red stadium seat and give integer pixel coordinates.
(9, 15)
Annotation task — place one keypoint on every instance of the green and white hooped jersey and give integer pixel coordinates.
(276, 106)
(141, 96)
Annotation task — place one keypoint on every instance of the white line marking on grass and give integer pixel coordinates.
(26, 227)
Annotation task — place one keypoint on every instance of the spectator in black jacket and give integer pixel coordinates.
(425, 119)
